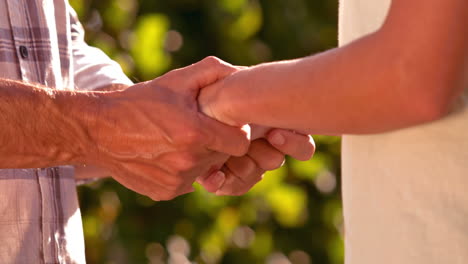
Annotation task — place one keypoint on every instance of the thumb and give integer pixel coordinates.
(219, 137)
(298, 146)
(207, 71)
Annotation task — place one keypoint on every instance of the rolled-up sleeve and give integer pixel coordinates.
(92, 68)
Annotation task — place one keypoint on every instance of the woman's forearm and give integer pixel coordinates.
(387, 80)
(343, 90)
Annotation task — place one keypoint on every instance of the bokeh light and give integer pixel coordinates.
(293, 215)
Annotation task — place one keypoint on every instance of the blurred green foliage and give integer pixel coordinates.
(293, 216)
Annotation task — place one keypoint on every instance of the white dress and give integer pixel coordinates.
(406, 192)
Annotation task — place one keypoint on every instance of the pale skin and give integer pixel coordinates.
(150, 137)
(408, 72)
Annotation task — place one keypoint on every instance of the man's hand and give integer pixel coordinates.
(153, 139)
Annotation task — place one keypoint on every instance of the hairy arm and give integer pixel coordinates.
(44, 127)
(38, 124)
(408, 72)
(124, 131)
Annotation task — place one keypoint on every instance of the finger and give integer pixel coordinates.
(210, 172)
(143, 186)
(208, 71)
(298, 146)
(241, 175)
(265, 155)
(259, 131)
(226, 139)
(153, 182)
(190, 164)
(233, 187)
(213, 181)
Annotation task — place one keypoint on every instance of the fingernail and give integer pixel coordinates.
(277, 139)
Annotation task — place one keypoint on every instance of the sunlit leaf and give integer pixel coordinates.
(227, 220)
(336, 250)
(148, 45)
(262, 244)
(270, 180)
(117, 14)
(288, 203)
(91, 226)
(248, 23)
(309, 169)
(232, 6)
(78, 6)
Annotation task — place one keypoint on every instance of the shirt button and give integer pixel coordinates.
(24, 52)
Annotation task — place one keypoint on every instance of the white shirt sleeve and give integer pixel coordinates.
(92, 68)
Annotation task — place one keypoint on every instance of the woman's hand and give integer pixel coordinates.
(240, 174)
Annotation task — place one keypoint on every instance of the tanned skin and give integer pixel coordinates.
(150, 137)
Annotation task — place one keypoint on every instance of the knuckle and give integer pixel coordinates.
(174, 182)
(212, 60)
(170, 182)
(166, 78)
(250, 167)
(187, 162)
(193, 137)
(189, 136)
(241, 187)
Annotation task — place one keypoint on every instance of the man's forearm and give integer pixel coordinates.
(113, 87)
(150, 136)
(90, 172)
(42, 127)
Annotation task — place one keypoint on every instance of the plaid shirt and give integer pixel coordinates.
(41, 41)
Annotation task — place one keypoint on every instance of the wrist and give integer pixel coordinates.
(82, 113)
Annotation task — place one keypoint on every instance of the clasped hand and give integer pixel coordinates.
(154, 140)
